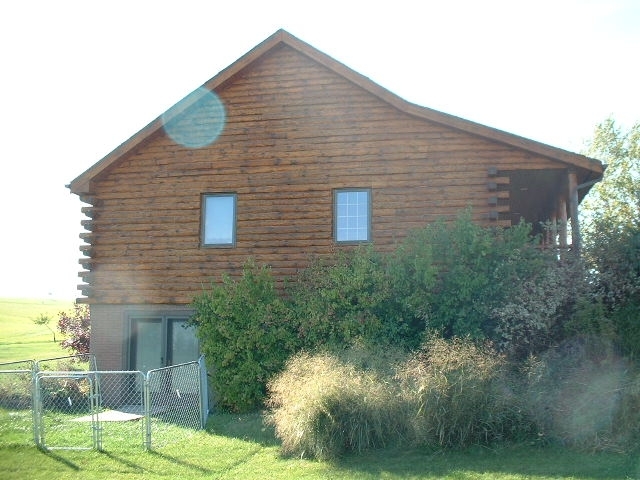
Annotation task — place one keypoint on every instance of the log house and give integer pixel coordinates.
(308, 157)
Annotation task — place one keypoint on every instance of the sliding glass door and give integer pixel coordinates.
(160, 341)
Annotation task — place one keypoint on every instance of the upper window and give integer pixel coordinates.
(352, 215)
(219, 220)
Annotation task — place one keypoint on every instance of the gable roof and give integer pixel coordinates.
(81, 184)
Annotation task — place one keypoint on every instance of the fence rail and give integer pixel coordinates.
(86, 408)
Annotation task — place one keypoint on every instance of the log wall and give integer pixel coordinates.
(294, 132)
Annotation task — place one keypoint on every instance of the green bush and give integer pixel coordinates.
(446, 278)
(245, 336)
(449, 277)
(344, 299)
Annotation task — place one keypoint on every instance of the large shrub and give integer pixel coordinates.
(542, 308)
(245, 336)
(326, 405)
(344, 299)
(449, 278)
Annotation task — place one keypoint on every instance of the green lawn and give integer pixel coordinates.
(240, 447)
(20, 338)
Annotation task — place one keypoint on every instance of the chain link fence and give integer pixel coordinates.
(176, 397)
(122, 413)
(60, 398)
(16, 395)
(83, 408)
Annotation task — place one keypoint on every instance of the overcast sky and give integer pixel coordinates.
(81, 77)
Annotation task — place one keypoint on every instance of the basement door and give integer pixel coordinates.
(161, 341)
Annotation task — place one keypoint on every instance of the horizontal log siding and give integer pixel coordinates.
(295, 131)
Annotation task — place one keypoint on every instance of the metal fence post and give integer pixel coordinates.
(147, 411)
(96, 408)
(35, 404)
(37, 407)
(204, 392)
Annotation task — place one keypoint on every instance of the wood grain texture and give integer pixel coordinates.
(295, 131)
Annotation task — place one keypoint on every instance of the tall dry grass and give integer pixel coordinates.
(452, 394)
(461, 394)
(584, 394)
(323, 406)
(449, 394)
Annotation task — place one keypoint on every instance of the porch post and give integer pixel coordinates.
(562, 218)
(553, 233)
(573, 210)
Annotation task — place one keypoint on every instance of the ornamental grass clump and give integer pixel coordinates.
(584, 394)
(461, 394)
(323, 406)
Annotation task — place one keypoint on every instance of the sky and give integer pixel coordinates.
(81, 77)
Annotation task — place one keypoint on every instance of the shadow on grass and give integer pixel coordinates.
(249, 427)
(133, 466)
(523, 460)
(180, 462)
(59, 458)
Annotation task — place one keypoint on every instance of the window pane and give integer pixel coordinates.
(219, 219)
(352, 215)
(147, 351)
(183, 342)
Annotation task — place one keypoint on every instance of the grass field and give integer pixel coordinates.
(242, 447)
(20, 338)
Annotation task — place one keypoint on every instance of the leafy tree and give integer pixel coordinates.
(611, 229)
(43, 319)
(76, 326)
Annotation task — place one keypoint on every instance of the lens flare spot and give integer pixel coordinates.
(197, 120)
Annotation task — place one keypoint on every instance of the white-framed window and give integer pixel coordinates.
(219, 219)
(352, 215)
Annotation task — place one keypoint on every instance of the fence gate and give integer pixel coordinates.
(66, 410)
(175, 397)
(122, 412)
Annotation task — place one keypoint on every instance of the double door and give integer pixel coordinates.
(161, 341)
